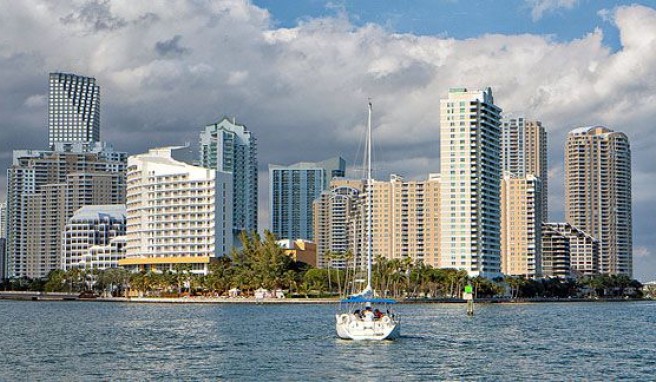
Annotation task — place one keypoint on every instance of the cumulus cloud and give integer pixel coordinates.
(168, 69)
(540, 7)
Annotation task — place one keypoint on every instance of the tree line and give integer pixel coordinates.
(262, 263)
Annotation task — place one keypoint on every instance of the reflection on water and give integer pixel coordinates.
(112, 341)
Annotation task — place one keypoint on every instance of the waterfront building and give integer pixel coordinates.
(405, 220)
(521, 225)
(583, 248)
(524, 152)
(229, 147)
(44, 189)
(293, 189)
(177, 214)
(300, 250)
(470, 166)
(598, 193)
(94, 238)
(3, 239)
(556, 261)
(73, 109)
(333, 212)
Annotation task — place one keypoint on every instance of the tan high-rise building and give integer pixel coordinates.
(520, 225)
(405, 220)
(524, 152)
(45, 188)
(598, 193)
(470, 167)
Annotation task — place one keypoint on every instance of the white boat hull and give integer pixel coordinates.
(350, 327)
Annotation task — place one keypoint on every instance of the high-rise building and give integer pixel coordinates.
(229, 147)
(293, 189)
(94, 237)
(73, 109)
(405, 220)
(583, 248)
(470, 181)
(3, 240)
(333, 212)
(521, 225)
(598, 193)
(177, 214)
(524, 152)
(44, 189)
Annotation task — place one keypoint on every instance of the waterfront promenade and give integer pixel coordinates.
(57, 296)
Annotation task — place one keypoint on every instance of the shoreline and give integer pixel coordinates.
(64, 297)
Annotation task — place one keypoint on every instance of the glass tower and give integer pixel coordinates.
(73, 109)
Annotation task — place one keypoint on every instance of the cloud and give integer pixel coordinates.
(36, 101)
(171, 47)
(303, 90)
(540, 7)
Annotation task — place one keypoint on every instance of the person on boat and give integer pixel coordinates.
(357, 313)
(378, 314)
(368, 314)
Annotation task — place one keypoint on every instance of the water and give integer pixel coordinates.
(117, 341)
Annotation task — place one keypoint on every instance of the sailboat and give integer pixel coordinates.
(365, 316)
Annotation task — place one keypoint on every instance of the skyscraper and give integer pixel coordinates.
(524, 151)
(333, 212)
(73, 109)
(521, 225)
(293, 189)
(470, 180)
(228, 147)
(598, 193)
(44, 189)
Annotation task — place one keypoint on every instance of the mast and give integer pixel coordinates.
(369, 195)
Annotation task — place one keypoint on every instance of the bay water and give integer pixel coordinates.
(97, 341)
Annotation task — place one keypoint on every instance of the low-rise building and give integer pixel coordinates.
(94, 237)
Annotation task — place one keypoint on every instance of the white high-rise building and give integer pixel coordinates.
(73, 109)
(470, 182)
(229, 147)
(177, 214)
(598, 193)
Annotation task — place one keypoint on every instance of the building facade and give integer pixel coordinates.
(598, 193)
(177, 214)
(293, 189)
(73, 109)
(470, 166)
(229, 147)
(584, 249)
(44, 189)
(333, 212)
(94, 238)
(556, 261)
(521, 219)
(524, 152)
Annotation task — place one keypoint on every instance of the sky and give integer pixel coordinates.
(298, 74)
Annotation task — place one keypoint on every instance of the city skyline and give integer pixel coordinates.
(159, 98)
